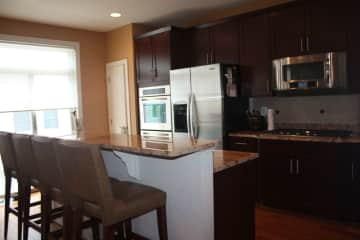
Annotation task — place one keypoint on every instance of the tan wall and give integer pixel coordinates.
(243, 8)
(120, 45)
(92, 65)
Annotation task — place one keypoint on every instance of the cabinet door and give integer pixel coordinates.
(348, 196)
(317, 172)
(288, 32)
(144, 61)
(278, 186)
(255, 56)
(161, 46)
(354, 47)
(225, 43)
(200, 41)
(326, 26)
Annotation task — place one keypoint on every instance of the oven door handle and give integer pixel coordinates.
(154, 98)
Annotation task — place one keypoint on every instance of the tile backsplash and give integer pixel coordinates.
(337, 111)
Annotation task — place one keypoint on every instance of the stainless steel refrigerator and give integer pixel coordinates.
(201, 105)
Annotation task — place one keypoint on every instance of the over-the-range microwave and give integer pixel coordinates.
(308, 72)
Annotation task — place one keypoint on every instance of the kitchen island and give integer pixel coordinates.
(190, 172)
(182, 168)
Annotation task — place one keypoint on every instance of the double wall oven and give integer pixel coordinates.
(155, 113)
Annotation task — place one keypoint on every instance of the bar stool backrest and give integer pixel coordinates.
(25, 156)
(7, 152)
(84, 172)
(48, 167)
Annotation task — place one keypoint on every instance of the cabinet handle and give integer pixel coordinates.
(291, 167)
(212, 58)
(241, 143)
(297, 167)
(308, 43)
(301, 44)
(156, 73)
(207, 58)
(352, 171)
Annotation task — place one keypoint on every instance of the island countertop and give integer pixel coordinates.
(180, 145)
(224, 159)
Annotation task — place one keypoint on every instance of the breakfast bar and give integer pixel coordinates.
(186, 170)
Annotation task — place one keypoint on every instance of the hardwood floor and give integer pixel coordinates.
(278, 225)
(270, 225)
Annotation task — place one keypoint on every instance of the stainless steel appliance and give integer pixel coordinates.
(318, 71)
(155, 108)
(201, 105)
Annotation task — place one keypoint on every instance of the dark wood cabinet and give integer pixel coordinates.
(255, 60)
(299, 176)
(243, 144)
(144, 60)
(354, 47)
(234, 202)
(225, 43)
(348, 165)
(326, 25)
(158, 52)
(200, 43)
(288, 34)
(310, 27)
(215, 44)
(162, 57)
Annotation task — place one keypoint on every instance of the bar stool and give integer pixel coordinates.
(94, 194)
(28, 175)
(10, 170)
(50, 177)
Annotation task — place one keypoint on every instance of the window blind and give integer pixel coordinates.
(37, 77)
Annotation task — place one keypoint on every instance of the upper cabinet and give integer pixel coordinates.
(313, 27)
(216, 44)
(287, 28)
(255, 56)
(157, 53)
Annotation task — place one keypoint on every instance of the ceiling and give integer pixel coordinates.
(94, 14)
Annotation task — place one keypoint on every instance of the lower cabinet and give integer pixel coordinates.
(308, 177)
(234, 202)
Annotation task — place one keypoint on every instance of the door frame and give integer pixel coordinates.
(127, 97)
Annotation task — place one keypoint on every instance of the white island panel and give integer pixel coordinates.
(188, 182)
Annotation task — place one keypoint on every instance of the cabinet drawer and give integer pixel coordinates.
(243, 144)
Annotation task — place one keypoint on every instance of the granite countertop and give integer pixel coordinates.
(180, 146)
(224, 159)
(355, 138)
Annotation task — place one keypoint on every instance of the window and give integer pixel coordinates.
(38, 89)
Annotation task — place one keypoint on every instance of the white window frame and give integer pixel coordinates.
(54, 43)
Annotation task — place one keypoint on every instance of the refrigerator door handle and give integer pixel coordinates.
(188, 116)
(194, 117)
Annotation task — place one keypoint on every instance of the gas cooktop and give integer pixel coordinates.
(311, 132)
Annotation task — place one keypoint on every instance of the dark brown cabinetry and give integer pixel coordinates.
(234, 202)
(354, 47)
(349, 182)
(157, 53)
(243, 144)
(310, 27)
(287, 28)
(255, 57)
(300, 176)
(215, 44)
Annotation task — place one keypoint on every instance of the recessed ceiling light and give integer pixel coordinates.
(115, 14)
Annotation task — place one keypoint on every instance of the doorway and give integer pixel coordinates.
(117, 82)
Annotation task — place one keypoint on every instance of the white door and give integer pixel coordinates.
(118, 97)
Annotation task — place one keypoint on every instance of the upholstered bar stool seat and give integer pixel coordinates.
(130, 199)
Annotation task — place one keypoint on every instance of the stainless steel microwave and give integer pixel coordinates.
(318, 71)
